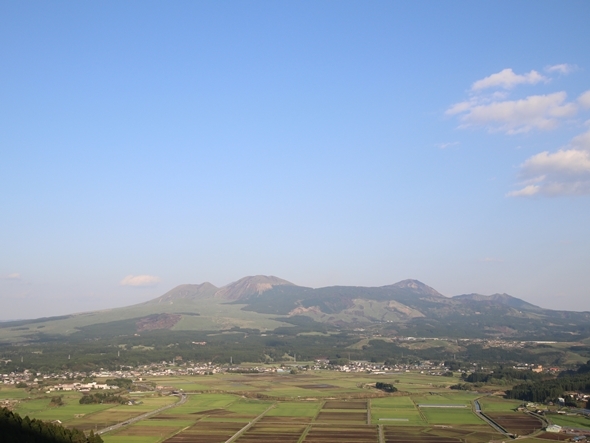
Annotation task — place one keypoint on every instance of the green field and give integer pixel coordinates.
(570, 421)
(319, 405)
(496, 404)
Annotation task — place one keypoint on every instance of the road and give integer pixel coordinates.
(489, 421)
(249, 425)
(181, 401)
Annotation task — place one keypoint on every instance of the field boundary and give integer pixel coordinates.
(181, 401)
(249, 425)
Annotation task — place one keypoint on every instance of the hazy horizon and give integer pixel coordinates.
(148, 145)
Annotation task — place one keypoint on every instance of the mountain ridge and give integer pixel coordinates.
(408, 307)
(250, 285)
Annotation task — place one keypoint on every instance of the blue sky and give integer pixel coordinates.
(149, 144)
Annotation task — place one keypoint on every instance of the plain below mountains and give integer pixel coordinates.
(265, 303)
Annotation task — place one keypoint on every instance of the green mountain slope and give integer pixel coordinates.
(406, 308)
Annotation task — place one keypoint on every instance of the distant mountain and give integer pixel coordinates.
(408, 308)
(416, 287)
(503, 299)
(186, 293)
(249, 286)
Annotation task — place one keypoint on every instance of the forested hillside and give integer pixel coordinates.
(15, 429)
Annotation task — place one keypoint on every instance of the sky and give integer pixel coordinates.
(149, 144)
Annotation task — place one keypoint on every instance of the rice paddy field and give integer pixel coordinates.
(315, 407)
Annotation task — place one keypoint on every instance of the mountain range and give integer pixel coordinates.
(265, 303)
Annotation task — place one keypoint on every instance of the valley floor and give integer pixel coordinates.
(306, 407)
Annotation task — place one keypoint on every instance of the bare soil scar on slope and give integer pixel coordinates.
(158, 321)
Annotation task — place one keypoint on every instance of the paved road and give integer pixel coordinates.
(489, 421)
(181, 401)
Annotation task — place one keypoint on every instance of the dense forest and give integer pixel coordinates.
(551, 390)
(15, 429)
(503, 375)
(99, 398)
(307, 339)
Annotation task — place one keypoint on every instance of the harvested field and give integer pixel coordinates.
(283, 419)
(342, 416)
(348, 434)
(334, 404)
(207, 432)
(554, 436)
(272, 432)
(395, 435)
(144, 431)
(517, 423)
(172, 417)
(209, 411)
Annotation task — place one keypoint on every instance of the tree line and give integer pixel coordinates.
(15, 429)
(551, 390)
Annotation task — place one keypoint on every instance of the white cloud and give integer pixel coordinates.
(584, 99)
(563, 68)
(564, 172)
(507, 79)
(140, 280)
(458, 108)
(581, 141)
(568, 161)
(13, 276)
(527, 191)
(515, 116)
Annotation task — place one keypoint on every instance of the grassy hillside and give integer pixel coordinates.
(407, 308)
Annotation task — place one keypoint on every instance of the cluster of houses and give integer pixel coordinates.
(81, 387)
(79, 381)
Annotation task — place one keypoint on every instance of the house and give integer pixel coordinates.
(553, 428)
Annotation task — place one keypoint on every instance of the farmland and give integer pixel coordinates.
(306, 407)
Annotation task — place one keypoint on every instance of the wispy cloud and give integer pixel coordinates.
(516, 116)
(140, 280)
(527, 191)
(584, 99)
(563, 68)
(496, 112)
(563, 172)
(507, 79)
(12, 276)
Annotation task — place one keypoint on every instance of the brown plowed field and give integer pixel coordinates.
(280, 419)
(554, 436)
(333, 404)
(517, 423)
(145, 431)
(393, 436)
(421, 438)
(348, 434)
(342, 416)
(270, 433)
(207, 432)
